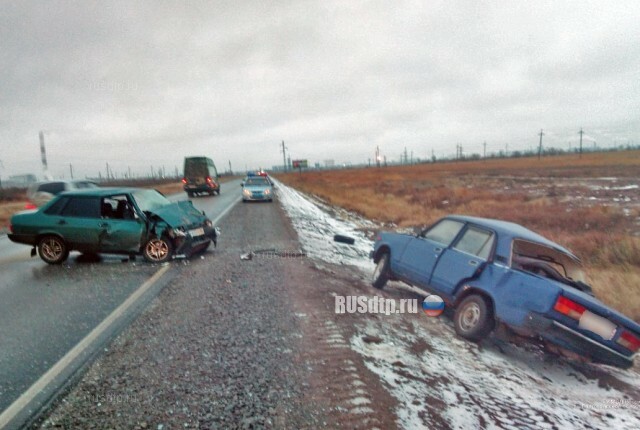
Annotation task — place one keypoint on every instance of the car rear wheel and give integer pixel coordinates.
(190, 194)
(473, 319)
(53, 249)
(381, 272)
(157, 250)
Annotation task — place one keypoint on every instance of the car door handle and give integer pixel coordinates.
(473, 263)
(62, 222)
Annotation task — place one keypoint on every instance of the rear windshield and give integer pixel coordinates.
(52, 187)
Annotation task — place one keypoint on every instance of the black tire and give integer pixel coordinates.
(381, 272)
(189, 194)
(218, 191)
(473, 318)
(53, 249)
(157, 250)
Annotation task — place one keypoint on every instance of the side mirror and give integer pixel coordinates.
(242, 185)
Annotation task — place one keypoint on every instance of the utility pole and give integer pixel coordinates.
(71, 170)
(108, 175)
(581, 133)
(43, 155)
(230, 169)
(540, 145)
(484, 152)
(377, 156)
(284, 157)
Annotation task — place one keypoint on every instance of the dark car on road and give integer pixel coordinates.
(114, 221)
(41, 192)
(495, 272)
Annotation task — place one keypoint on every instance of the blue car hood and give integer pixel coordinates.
(180, 214)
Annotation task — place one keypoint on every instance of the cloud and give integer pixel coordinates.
(151, 82)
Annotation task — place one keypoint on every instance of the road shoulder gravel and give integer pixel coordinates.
(235, 343)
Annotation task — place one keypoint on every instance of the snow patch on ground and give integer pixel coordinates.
(316, 227)
(441, 381)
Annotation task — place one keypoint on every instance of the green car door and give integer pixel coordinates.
(79, 223)
(122, 230)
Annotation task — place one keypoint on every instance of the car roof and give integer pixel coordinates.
(510, 230)
(101, 192)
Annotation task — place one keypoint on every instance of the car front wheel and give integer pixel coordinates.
(381, 272)
(473, 319)
(157, 250)
(53, 249)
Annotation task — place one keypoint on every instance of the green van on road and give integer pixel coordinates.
(200, 176)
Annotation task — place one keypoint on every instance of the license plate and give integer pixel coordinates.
(598, 325)
(196, 232)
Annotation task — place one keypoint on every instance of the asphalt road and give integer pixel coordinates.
(46, 310)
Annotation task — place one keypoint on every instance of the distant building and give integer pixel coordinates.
(329, 163)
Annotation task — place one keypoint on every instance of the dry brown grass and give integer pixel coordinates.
(549, 196)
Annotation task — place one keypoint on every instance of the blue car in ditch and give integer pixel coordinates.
(499, 273)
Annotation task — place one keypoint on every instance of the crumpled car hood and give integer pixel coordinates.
(180, 214)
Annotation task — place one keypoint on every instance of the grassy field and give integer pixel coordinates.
(590, 205)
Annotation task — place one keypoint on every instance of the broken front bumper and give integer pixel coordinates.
(196, 239)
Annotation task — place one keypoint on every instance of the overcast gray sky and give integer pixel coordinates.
(137, 84)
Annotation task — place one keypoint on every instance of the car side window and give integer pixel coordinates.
(116, 207)
(476, 242)
(444, 232)
(57, 207)
(87, 207)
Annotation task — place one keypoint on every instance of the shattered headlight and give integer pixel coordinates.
(208, 223)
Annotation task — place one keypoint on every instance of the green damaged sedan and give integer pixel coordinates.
(128, 221)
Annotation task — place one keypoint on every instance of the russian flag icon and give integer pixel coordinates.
(433, 305)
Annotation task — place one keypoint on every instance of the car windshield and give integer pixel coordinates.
(150, 200)
(256, 181)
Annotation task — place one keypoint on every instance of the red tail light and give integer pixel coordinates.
(184, 180)
(30, 205)
(569, 308)
(629, 341)
(209, 180)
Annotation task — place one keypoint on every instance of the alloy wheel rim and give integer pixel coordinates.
(157, 249)
(52, 249)
(469, 317)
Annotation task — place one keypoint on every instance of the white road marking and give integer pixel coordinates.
(23, 401)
